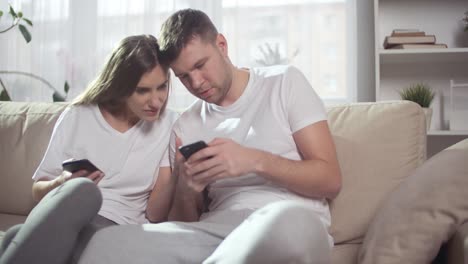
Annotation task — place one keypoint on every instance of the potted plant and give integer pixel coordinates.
(421, 94)
(17, 19)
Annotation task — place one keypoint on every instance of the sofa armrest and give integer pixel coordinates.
(455, 251)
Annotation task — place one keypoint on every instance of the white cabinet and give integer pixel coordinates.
(396, 69)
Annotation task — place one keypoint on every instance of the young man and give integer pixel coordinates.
(268, 169)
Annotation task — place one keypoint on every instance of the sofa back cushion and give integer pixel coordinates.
(378, 145)
(25, 130)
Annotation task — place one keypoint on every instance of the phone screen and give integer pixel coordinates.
(76, 165)
(189, 149)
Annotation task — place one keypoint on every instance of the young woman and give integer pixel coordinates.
(121, 125)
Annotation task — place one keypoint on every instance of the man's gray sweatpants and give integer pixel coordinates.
(281, 232)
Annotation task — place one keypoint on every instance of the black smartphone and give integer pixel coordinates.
(76, 165)
(188, 150)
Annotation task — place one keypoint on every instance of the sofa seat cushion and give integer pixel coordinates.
(9, 220)
(378, 146)
(345, 253)
(423, 213)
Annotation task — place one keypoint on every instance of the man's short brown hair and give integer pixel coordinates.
(180, 28)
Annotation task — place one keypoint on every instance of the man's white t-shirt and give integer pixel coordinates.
(129, 160)
(277, 102)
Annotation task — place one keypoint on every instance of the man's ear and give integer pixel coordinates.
(222, 45)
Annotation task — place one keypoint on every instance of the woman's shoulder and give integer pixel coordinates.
(169, 116)
(73, 113)
(80, 109)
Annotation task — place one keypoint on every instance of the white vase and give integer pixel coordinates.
(428, 114)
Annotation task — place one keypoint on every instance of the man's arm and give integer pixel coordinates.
(187, 203)
(316, 175)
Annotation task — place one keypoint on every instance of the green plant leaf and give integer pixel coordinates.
(4, 96)
(58, 97)
(20, 14)
(12, 12)
(1, 13)
(418, 93)
(25, 32)
(66, 87)
(28, 21)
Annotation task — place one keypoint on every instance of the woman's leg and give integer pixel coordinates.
(51, 229)
(9, 235)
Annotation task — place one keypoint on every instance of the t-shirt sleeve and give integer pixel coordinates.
(165, 158)
(304, 106)
(172, 141)
(51, 164)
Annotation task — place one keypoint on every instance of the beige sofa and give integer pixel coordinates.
(379, 145)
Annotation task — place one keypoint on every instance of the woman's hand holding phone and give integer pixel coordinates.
(95, 176)
(81, 168)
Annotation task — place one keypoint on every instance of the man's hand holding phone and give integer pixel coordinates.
(182, 156)
(220, 158)
(82, 168)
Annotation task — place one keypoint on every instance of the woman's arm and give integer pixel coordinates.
(44, 185)
(160, 200)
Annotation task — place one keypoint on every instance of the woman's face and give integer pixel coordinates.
(149, 96)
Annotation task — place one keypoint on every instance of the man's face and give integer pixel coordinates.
(205, 69)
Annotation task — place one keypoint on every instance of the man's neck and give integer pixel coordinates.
(240, 79)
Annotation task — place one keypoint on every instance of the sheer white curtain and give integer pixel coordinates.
(71, 39)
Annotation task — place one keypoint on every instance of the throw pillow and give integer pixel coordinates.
(422, 213)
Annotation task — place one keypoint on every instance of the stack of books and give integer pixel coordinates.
(411, 39)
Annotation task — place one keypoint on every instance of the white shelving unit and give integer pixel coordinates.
(447, 133)
(396, 69)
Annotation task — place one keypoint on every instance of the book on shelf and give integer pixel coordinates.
(420, 46)
(407, 33)
(405, 30)
(391, 41)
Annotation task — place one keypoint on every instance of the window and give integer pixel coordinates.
(71, 40)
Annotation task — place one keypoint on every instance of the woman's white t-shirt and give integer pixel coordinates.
(129, 160)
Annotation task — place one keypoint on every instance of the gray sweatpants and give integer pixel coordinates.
(58, 226)
(281, 232)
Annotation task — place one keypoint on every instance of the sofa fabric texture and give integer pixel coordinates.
(25, 130)
(378, 144)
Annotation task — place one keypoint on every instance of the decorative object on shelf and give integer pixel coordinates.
(458, 106)
(421, 94)
(17, 18)
(465, 21)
